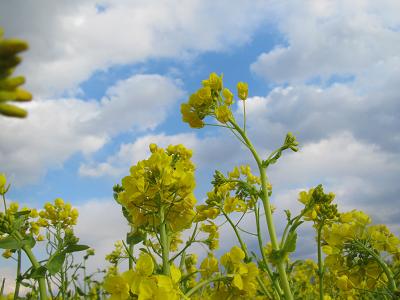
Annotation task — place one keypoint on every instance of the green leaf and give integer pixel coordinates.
(22, 213)
(75, 248)
(290, 243)
(29, 241)
(55, 262)
(38, 273)
(10, 242)
(126, 214)
(134, 238)
(80, 292)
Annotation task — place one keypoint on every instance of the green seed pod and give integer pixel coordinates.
(23, 96)
(9, 62)
(7, 95)
(12, 111)
(11, 83)
(11, 47)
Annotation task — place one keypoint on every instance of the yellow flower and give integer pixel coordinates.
(7, 253)
(223, 114)
(214, 82)
(228, 96)
(208, 266)
(117, 286)
(243, 90)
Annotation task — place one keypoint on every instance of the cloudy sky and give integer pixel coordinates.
(108, 78)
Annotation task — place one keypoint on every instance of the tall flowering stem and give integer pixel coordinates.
(267, 209)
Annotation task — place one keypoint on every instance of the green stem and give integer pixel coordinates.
(205, 282)
(3, 282)
(164, 241)
(36, 265)
(5, 203)
(268, 211)
(244, 116)
(392, 283)
(320, 264)
(84, 277)
(260, 245)
(188, 244)
(242, 244)
(244, 248)
(18, 281)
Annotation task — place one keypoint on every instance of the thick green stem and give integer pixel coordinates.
(164, 241)
(36, 265)
(18, 281)
(260, 245)
(267, 211)
(320, 265)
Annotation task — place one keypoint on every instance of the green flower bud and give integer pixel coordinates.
(11, 47)
(12, 111)
(11, 83)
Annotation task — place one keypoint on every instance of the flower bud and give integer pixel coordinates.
(153, 147)
(12, 46)
(12, 111)
(243, 90)
(228, 96)
(3, 183)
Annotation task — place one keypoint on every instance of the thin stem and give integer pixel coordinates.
(5, 203)
(49, 287)
(392, 283)
(18, 281)
(205, 282)
(264, 288)
(188, 243)
(3, 282)
(217, 125)
(244, 116)
(268, 211)
(242, 244)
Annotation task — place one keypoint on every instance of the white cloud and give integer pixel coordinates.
(100, 225)
(363, 176)
(71, 40)
(326, 38)
(208, 151)
(57, 129)
(313, 113)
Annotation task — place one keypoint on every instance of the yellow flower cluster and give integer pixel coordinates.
(318, 206)
(10, 87)
(227, 195)
(142, 283)
(28, 226)
(242, 282)
(164, 180)
(350, 246)
(212, 229)
(191, 270)
(58, 214)
(212, 99)
(118, 253)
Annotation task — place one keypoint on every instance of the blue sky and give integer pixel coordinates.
(107, 82)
